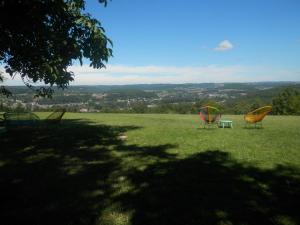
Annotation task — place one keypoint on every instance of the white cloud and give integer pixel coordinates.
(224, 46)
(155, 70)
(121, 74)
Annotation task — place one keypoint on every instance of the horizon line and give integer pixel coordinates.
(237, 82)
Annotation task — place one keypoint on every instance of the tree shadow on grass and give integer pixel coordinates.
(74, 174)
(59, 175)
(212, 188)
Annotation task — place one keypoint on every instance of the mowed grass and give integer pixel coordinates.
(151, 169)
(277, 143)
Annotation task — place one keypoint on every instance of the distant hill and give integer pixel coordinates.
(235, 98)
(147, 87)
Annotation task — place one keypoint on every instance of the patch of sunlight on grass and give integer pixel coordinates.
(92, 194)
(284, 220)
(116, 217)
(222, 216)
(73, 169)
(28, 148)
(3, 163)
(39, 157)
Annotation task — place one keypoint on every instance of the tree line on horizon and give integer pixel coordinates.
(286, 102)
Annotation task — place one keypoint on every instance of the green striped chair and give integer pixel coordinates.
(19, 120)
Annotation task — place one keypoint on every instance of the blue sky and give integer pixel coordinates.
(172, 41)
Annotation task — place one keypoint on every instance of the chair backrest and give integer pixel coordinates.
(20, 119)
(257, 115)
(56, 116)
(209, 114)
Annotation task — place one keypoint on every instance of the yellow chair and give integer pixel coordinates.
(257, 115)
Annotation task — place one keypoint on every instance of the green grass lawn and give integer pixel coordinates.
(151, 169)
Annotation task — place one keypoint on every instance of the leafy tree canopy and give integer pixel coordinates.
(39, 39)
(287, 102)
